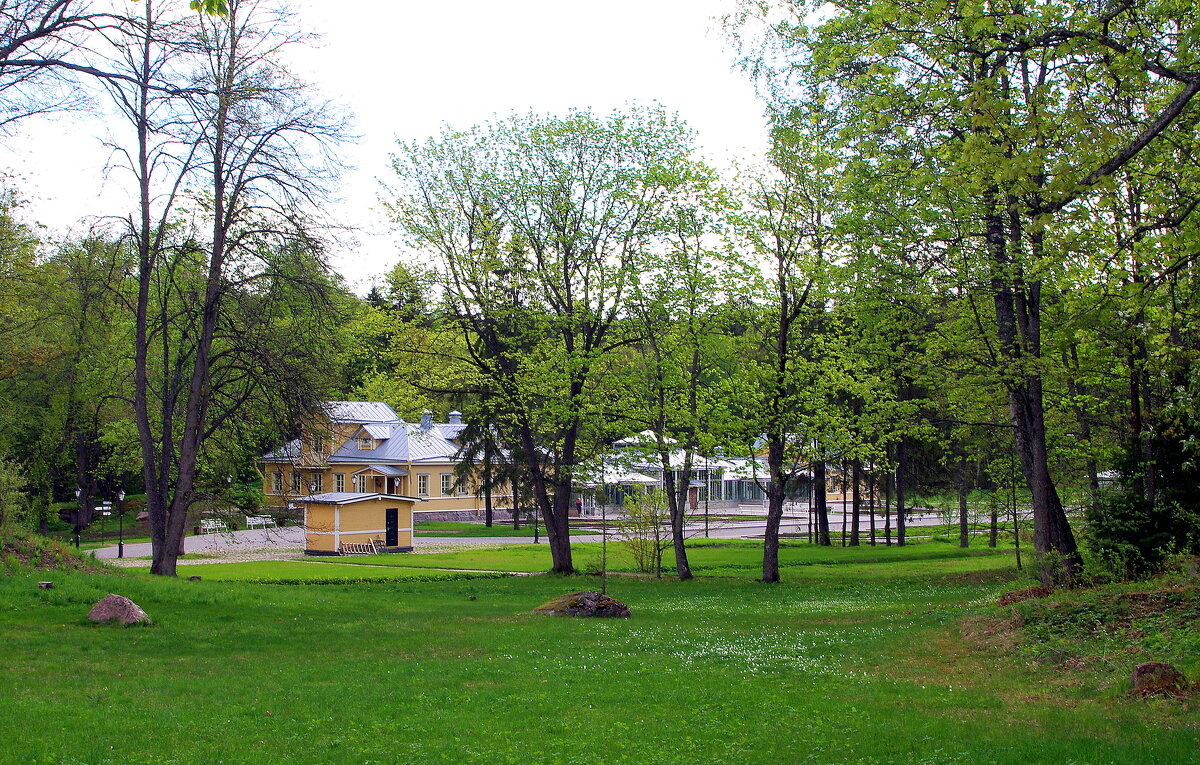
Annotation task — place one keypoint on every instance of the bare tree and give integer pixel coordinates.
(230, 157)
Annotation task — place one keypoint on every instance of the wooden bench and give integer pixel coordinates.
(263, 521)
(212, 526)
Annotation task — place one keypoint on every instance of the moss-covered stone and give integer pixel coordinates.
(585, 603)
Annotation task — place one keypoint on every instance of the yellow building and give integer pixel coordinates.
(363, 448)
(336, 519)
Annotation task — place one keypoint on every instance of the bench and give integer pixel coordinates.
(263, 521)
(212, 526)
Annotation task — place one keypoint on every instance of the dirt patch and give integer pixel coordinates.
(1008, 598)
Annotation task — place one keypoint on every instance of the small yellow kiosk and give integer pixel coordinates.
(344, 521)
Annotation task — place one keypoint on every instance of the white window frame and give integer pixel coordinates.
(447, 484)
(339, 482)
(360, 483)
(277, 482)
(316, 483)
(366, 444)
(422, 484)
(297, 481)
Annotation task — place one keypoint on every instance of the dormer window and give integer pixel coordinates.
(366, 443)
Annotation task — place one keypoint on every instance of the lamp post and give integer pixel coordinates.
(121, 521)
(77, 493)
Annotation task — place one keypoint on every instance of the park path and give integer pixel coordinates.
(287, 543)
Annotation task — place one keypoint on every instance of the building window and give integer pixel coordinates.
(315, 483)
(295, 481)
(319, 445)
(339, 481)
(422, 484)
(360, 484)
(447, 484)
(366, 443)
(277, 482)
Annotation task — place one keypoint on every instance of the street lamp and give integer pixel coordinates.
(121, 520)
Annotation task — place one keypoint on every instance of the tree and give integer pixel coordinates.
(678, 316)
(539, 226)
(234, 301)
(646, 531)
(983, 129)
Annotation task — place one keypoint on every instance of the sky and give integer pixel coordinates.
(404, 68)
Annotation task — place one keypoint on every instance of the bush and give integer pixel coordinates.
(1127, 536)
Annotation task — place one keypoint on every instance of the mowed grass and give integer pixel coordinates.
(858, 656)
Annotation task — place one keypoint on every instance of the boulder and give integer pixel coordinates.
(586, 603)
(114, 608)
(1158, 679)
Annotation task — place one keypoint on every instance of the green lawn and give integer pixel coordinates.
(858, 656)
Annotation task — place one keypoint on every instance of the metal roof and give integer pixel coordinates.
(396, 441)
(378, 430)
(289, 452)
(349, 497)
(360, 411)
(388, 470)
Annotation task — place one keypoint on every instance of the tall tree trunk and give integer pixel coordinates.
(855, 478)
(677, 506)
(820, 506)
(994, 526)
(1018, 322)
(964, 530)
(776, 491)
(887, 510)
(872, 482)
(901, 469)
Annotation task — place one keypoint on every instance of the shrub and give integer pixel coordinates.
(1127, 536)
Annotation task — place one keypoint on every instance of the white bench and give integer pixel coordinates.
(262, 521)
(212, 526)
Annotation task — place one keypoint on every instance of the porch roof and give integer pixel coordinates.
(350, 497)
(391, 471)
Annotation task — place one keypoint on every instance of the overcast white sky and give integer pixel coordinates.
(404, 68)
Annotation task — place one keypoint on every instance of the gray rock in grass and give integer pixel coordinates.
(115, 608)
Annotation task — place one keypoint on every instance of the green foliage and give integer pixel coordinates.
(645, 530)
(1128, 536)
(13, 502)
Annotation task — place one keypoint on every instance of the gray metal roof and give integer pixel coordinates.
(389, 470)
(360, 411)
(397, 441)
(378, 430)
(348, 497)
(289, 452)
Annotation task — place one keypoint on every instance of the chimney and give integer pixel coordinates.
(456, 418)
(426, 420)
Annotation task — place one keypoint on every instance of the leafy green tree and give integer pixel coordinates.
(982, 130)
(680, 350)
(539, 227)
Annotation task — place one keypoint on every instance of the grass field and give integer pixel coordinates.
(861, 656)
